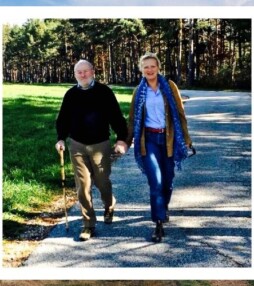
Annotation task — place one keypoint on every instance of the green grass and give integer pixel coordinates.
(31, 172)
(193, 283)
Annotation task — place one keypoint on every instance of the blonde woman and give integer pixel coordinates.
(158, 125)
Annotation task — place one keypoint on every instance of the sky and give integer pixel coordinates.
(126, 3)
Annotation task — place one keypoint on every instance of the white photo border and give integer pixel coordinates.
(61, 12)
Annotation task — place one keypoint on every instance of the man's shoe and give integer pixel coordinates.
(158, 232)
(108, 215)
(87, 233)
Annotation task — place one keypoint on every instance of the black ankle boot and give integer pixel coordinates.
(158, 232)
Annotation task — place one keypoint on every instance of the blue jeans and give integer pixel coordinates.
(159, 170)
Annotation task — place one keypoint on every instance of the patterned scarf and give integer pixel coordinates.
(179, 148)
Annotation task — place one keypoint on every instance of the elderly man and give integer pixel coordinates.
(88, 110)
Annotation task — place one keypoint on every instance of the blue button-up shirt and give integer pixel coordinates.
(155, 110)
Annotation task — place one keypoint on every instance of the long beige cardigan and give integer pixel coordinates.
(169, 123)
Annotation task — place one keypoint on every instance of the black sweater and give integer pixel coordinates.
(87, 115)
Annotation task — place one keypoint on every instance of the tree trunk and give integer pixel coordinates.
(191, 54)
(179, 57)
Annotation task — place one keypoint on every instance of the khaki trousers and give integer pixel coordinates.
(92, 165)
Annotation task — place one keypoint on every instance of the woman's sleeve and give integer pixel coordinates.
(180, 107)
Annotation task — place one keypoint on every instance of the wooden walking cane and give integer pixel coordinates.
(61, 152)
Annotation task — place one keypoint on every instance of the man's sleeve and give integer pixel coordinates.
(63, 120)
(116, 118)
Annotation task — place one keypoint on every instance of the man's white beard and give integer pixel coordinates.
(86, 85)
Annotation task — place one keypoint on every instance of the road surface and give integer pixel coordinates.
(210, 212)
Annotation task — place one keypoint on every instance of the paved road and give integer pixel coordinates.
(210, 223)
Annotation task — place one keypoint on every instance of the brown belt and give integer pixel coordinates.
(155, 130)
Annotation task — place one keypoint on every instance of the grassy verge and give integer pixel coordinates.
(193, 283)
(30, 162)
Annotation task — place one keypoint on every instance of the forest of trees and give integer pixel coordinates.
(212, 53)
